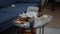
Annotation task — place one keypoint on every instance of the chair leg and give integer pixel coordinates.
(33, 31)
(52, 10)
(42, 30)
(38, 31)
(45, 4)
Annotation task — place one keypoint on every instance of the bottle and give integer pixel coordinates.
(39, 12)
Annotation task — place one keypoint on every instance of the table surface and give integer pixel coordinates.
(38, 22)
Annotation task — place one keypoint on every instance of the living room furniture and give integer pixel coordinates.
(7, 12)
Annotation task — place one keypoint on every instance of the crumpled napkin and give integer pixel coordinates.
(32, 14)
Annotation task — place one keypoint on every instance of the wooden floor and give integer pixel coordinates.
(55, 22)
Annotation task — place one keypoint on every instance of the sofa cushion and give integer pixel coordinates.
(19, 8)
(5, 25)
(22, 7)
(5, 21)
(6, 16)
(10, 12)
(28, 0)
(5, 3)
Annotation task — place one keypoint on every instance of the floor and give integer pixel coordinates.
(51, 31)
(54, 26)
(55, 22)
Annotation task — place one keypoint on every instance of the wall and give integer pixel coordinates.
(43, 1)
(57, 1)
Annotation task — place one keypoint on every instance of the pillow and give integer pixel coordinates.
(5, 3)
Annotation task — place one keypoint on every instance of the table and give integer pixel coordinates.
(39, 23)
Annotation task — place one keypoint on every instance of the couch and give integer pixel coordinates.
(7, 13)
